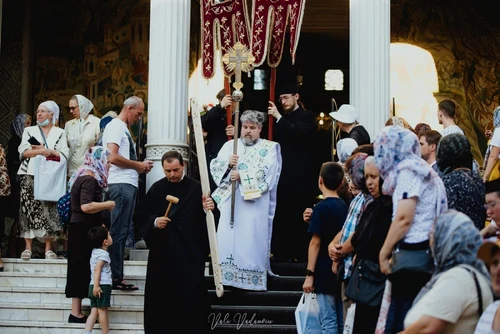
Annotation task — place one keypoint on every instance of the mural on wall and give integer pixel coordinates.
(108, 60)
(466, 56)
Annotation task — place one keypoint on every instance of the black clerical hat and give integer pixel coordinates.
(492, 186)
(288, 89)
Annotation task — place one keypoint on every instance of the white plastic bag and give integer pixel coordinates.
(49, 179)
(384, 309)
(349, 320)
(307, 315)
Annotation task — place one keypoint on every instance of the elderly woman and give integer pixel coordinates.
(82, 131)
(459, 289)
(418, 197)
(347, 119)
(491, 171)
(464, 188)
(489, 323)
(367, 242)
(87, 186)
(345, 147)
(39, 219)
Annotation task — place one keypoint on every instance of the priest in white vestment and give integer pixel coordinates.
(245, 244)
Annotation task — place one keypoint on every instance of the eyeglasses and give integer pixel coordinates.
(490, 205)
(72, 108)
(281, 98)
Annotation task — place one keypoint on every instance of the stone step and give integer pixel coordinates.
(59, 266)
(52, 327)
(60, 313)
(254, 329)
(243, 315)
(24, 279)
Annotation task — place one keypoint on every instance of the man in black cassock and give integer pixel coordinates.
(295, 131)
(175, 295)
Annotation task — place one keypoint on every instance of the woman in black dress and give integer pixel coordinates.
(86, 185)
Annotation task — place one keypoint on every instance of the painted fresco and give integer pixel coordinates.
(463, 37)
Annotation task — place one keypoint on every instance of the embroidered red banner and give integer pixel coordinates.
(270, 19)
(223, 23)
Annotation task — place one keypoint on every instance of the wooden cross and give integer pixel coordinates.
(239, 58)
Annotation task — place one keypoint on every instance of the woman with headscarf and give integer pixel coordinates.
(13, 162)
(418, 197)
(87, 186)
(464, 188)
(39, 219)
(492, 168)
(345, 147)
(82, 131)
(400, 121)
(460, 287)
(367, 241)
(340, 249)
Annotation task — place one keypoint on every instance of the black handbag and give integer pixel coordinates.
(411, 260)
(367, 283)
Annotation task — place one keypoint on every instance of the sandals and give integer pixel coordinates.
(124, 286)
(26, 255)
(50, 255)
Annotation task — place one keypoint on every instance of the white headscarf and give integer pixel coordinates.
(53, 108)
(84, 105)
(345, 147)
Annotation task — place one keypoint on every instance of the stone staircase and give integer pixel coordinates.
(32, 300)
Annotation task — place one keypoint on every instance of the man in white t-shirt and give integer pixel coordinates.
(123, 180)
(446, 116)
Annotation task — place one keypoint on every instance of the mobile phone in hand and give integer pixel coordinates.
(33, 141)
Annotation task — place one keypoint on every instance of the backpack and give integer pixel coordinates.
(64, 209)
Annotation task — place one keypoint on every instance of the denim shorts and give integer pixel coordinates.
(104, 301)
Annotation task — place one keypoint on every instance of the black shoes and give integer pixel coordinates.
(76, 320)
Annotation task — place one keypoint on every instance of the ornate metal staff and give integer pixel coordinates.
(239, 58)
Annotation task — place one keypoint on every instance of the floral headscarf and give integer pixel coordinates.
(357, 171)
(344, 149)
(95, 161)
(456, 242)
(396, 149)
(17, 125)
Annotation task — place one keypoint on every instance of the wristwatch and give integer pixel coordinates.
(309, 272)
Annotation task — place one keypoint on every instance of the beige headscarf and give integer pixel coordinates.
(84, 105)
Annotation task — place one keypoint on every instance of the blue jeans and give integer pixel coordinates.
(331, 315)
(124, 195)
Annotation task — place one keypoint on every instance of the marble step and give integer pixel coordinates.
(242, 315)
(52, 327)
(59, 266)
(60, 313)
(255, 329)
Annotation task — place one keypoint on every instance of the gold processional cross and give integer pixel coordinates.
(239, 58)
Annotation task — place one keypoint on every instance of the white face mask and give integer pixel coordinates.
(44, 123)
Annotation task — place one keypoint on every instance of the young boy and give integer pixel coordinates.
(100, 278)
(326, 221)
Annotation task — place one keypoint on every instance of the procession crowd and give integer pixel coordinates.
(403, 239)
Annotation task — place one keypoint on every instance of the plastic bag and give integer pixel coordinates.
(307, 315)
(349, 320)
(49, 179)
(384, 309)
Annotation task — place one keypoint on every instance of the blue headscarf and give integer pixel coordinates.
(17, 125)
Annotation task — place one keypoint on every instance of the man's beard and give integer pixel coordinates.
(248, 141)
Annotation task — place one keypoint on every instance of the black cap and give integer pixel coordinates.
(289, 89)
(492, 186)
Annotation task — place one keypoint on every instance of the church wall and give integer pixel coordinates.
(463, 37)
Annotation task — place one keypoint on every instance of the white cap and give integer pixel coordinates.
(346, 114)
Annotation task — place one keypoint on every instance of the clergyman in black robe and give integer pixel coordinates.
(175, 295)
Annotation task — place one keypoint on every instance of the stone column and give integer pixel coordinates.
(369, 66)
(168, 102)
